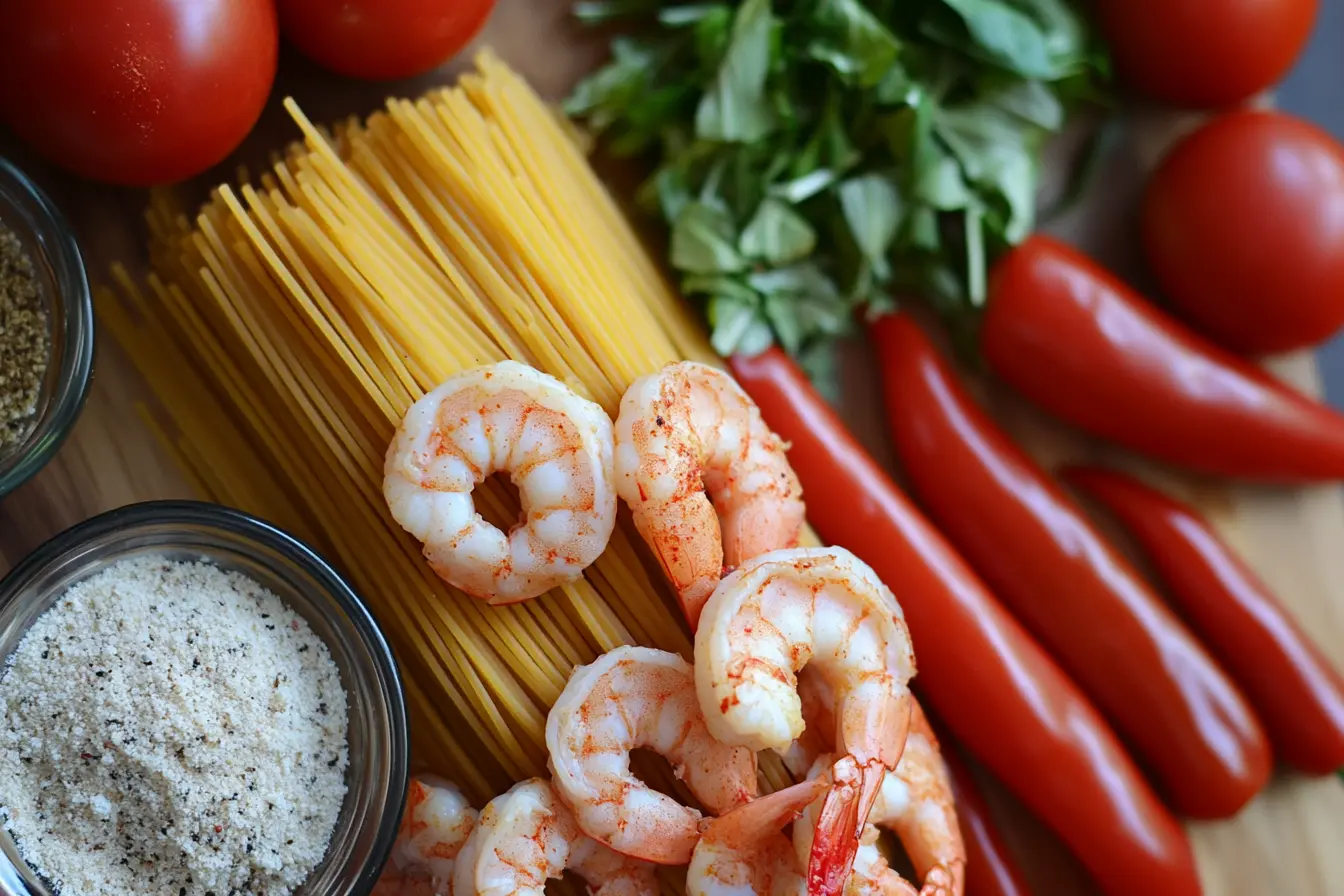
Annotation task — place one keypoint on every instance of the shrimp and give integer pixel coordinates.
(706, 479)
(915, 801)
(746, 850)
(825, 609)
(557, 449)
(635, 697)
(434, 827)
(527, 836)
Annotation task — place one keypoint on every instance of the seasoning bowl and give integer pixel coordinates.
(64, 286)
(232, 540)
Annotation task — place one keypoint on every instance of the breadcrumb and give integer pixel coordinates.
(172, 728)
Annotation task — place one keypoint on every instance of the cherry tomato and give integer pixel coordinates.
(381, 39)
(1204, 52)
(1243, 224)
(136, 92)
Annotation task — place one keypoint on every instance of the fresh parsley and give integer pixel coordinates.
(813, 156)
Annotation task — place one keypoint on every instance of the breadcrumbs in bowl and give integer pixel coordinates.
(193, 701)
(46, 329)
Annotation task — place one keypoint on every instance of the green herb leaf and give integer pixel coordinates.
(804, 187)
(1009, 37)
(722, 285)
(735, 109)
(872, 208)
(678, 16)
(853, 42)
(704, 240)
(942, 184)
(777, 234)
(809, 157)
(738, 328)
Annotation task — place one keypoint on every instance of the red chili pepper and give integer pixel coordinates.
(1293, 687)
(1038, 552)
(991, 869)
(996, 689)
(1077, 341)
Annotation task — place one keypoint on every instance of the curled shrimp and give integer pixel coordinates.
(634, 697)
(434, 827)
(557, 449)
(915, 802)
(706, 480)
(825, 609)
(527, 836)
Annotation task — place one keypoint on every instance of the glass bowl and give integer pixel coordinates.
(42, 230)
(379, 750)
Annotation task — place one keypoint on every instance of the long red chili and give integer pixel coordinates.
(1036, 549)
(1077, 341)
(991, 869)
(1296, 690)
(996, 689)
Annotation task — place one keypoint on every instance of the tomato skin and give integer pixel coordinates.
(989, 681)
(1243, 224)
(1078, 342)
(1035, 548)
(991, 869)
(136, 92)
(1201, 53)
(1293, 687)
(381, 39)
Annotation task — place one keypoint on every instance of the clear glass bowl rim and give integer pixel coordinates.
(241, 525)
(75, 299)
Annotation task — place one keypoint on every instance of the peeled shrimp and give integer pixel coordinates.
(915, 801)
(746, 851)
(527, 836)
(634, 697)
(706, 479)
(825, 609)
(434, 827)
(557, 449)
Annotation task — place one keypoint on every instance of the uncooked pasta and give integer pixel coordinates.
(288, 325)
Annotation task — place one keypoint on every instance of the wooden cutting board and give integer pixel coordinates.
(1285, 842)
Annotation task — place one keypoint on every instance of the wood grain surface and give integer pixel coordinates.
(1287, 841)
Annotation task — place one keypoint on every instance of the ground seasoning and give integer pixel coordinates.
(171, 729)
(25, 343)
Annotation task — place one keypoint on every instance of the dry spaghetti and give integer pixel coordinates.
(288, 326)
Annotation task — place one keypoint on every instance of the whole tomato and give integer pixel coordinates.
(136, 92)
(381, 39)
(1243, 224)
(1204, 52)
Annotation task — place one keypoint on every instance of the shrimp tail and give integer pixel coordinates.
(840, 824)
(748, 824)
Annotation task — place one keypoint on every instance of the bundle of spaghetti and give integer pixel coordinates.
(287, 326)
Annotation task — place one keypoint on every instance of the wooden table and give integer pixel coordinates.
(1287, 841)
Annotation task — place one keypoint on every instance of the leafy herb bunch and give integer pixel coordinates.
(814, 155)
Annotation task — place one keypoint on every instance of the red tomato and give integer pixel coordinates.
(381, 39)
(1204, 52)
(136, 92)
(1243, 223)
